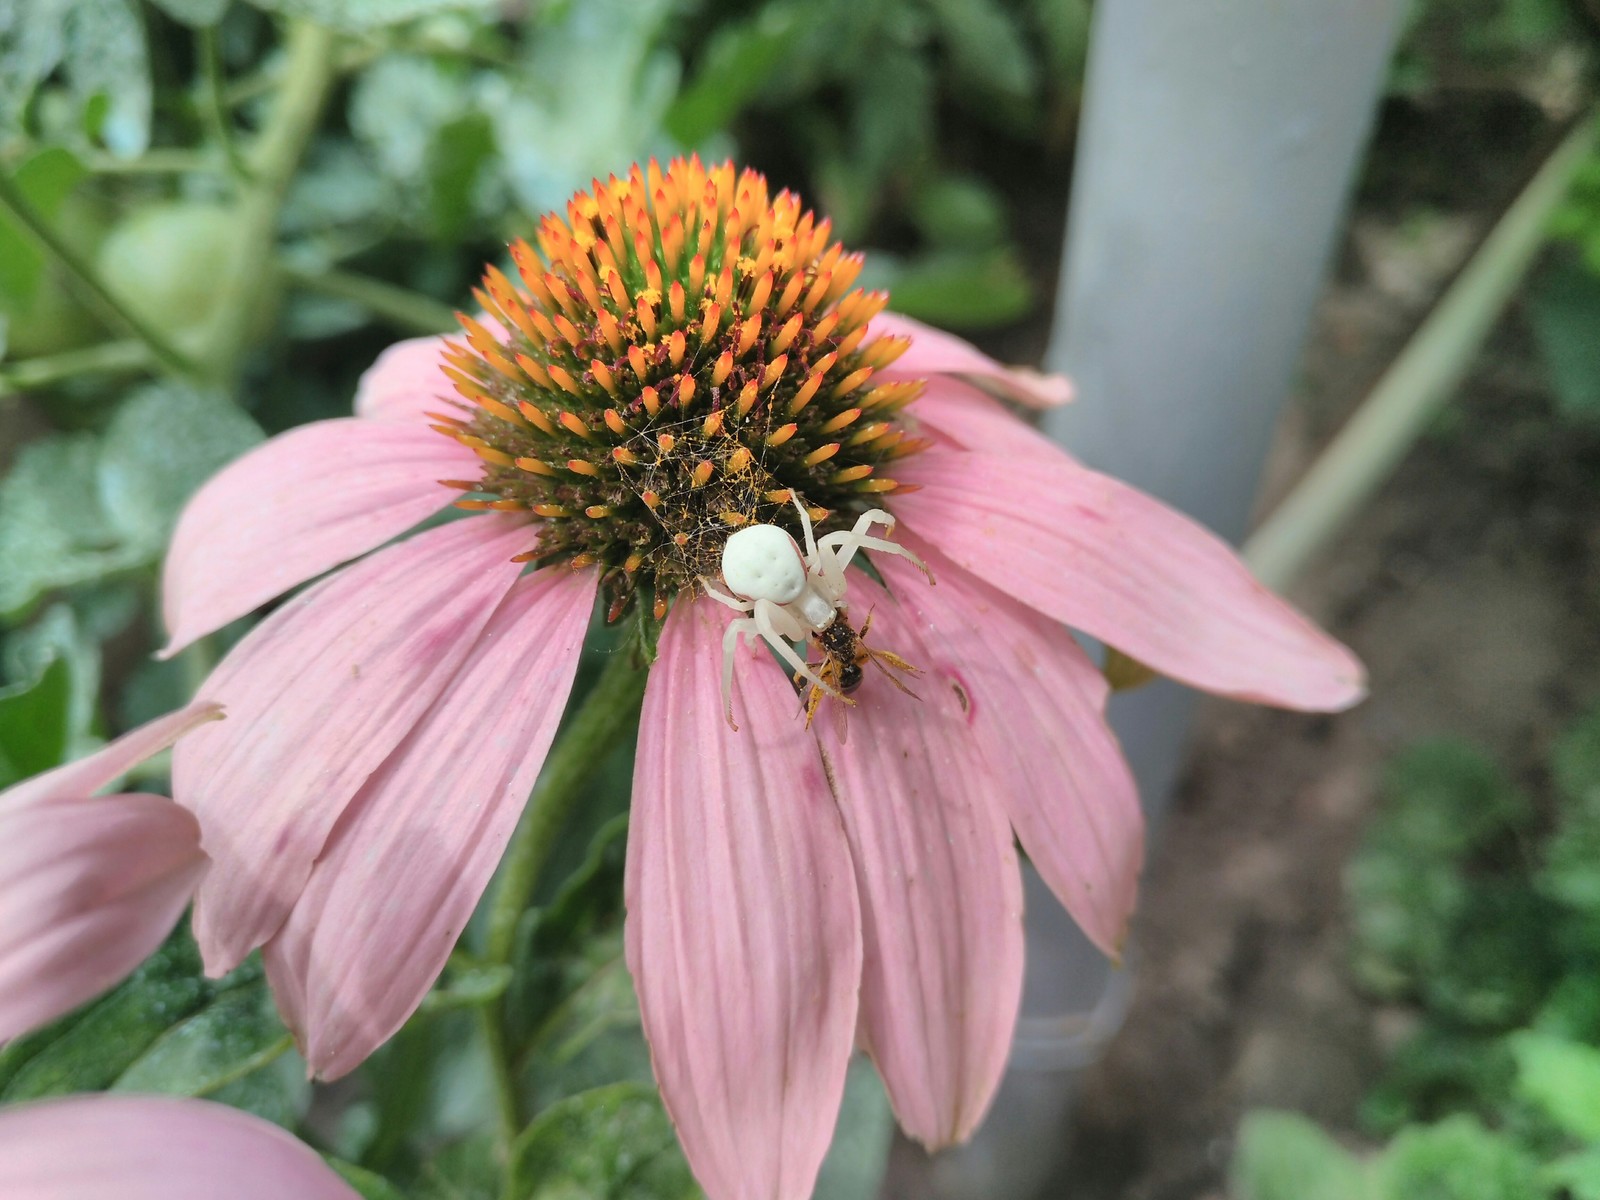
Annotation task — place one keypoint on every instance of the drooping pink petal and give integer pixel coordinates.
(89, 887)
(975, 421)
(1036, 705)
(155, 1148)
(406, 383)
(297, 506)
(941, 897)
(1105, 558)
(88, 775)
(409, 859)
(318, 695)
(743, 933)
(934, 352)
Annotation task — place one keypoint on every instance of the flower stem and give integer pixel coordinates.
(406, 309)
(606, 712)
(86, 282)
(507, 1103)
(25, 374)
(307, 77)
(213, 104)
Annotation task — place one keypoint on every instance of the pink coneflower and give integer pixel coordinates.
(155, 1148)
(685, 359)
(90, 885)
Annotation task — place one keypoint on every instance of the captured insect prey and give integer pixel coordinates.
(846, 653)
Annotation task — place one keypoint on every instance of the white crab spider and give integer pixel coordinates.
(791, 596)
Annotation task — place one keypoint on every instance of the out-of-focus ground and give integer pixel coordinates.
(1469, 586)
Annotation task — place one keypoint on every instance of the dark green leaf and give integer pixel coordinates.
(368, 1185)
(960, 212)
(458, 159)
(467, 985)
(234, 1035)
(956, 289)
(986, 47)
(611, 1143)
(35, 723)
(1576, 762)
(1284, 1156)
(1565, 311)
(733, 69)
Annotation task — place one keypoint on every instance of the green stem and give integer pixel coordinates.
(162, 161)
(606, 713)
(82, 276)
(507, 1104)
(1420, 379)
(406, 309)
(307, 77)
(214, 104)
(25, 374)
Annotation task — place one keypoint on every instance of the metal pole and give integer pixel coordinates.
(1218, 145)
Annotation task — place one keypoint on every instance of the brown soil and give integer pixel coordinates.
(1469, 586)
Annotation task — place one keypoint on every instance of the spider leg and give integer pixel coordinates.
(764, 624)
(730, 649)
(860, 541)
(811, 537)
(723, 598)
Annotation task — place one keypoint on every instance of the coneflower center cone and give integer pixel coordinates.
(684, 356)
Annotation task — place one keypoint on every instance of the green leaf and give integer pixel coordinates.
(956, 289)
(89, 1049)
(54, 530)
(733, 69)
(45, 179)
(35, 723)
(1565, 311)
(1563, 1078)
(1576, 762)
(458, 159)
(1445, 799)
(359, 16)
(164, 442)
(467, 985)
(854, 1166)
(108, 70)
(611, 1143)
(1284, 1156)
(367, 1185)
(30, 48)
(231, 1037)
(1457, 1159)
(986, 47)
(960, 212)
(1578, 1174)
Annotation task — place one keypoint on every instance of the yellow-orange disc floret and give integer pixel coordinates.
(681, 355)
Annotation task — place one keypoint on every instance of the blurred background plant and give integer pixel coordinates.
(215, 213)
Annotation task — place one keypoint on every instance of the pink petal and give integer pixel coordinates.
(88, 775)
(743, 934)
(297, 506)
(941, 898)
(89, 887)
(934, 352)
(414, 850)
(155, 1148)
(1036, 705)
(406, 383)
(1103, 557)
(318, 695)
(975, 421)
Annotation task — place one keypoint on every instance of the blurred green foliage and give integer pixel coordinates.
(1477, 907)
(213, 215)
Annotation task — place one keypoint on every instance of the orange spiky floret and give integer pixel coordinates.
(677, 353)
